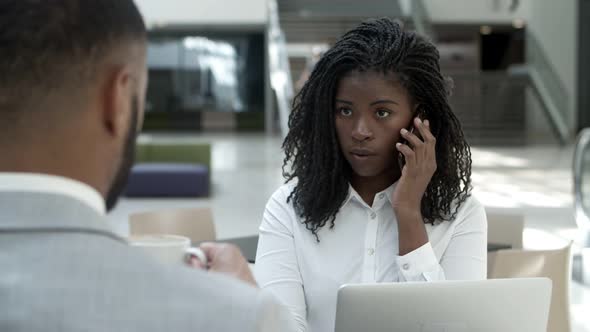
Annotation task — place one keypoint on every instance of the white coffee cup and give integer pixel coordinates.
(168, 249)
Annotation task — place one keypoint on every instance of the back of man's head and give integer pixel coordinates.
(50, 46)
(70, 68)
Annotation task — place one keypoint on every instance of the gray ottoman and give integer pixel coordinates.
(168, 180)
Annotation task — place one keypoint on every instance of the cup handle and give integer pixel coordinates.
(197, 253)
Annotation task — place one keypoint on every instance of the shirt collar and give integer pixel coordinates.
(353, 194)
(52, 184)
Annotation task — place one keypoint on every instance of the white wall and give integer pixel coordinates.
(204, 12)
(476, 11)
(555, 25)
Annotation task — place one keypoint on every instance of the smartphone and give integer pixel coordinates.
(400, 157)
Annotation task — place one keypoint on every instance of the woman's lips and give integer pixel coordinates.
(362, 154)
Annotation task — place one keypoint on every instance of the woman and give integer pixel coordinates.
(380, 180)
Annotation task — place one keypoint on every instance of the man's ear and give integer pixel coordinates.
(116, 95)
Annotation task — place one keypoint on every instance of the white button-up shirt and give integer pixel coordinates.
(363, 247)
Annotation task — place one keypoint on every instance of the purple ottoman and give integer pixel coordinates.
(168, 179)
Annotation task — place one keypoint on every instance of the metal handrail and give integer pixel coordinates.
(581, 214)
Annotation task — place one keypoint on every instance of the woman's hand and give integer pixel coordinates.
(420, 157)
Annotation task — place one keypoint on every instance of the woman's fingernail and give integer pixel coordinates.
(404, 131)
(418, 120)
(426, 122)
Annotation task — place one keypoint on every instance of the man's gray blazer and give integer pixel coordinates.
(62, 269)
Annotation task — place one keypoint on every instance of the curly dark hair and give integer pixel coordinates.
(312, 147)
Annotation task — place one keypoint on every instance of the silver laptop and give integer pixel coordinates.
(496, 305)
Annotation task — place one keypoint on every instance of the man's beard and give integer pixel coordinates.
(120, 180)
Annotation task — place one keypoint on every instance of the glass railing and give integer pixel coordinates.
(279, 70)
(582, 181)
(581, 170)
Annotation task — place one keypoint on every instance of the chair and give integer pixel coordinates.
(504, 229)
(553, 264)
(196, 224)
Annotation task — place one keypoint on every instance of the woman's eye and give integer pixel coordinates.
(383, 113)
(345, 111)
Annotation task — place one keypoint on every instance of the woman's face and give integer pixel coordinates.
(370, 110)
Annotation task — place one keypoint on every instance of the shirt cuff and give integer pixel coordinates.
(418, 263)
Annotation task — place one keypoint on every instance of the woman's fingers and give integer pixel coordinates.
(409, 154)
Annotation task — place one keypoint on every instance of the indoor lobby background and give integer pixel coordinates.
(222, 75)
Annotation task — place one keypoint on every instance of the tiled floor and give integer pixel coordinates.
(246, 169)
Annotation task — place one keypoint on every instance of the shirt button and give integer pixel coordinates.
(381, 195)
(373, 215)
(370, 251)
(406, 266)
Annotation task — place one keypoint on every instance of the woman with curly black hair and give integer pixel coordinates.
(378, 178)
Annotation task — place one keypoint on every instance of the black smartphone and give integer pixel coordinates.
(400, 157)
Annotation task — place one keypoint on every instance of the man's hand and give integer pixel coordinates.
(226, 259)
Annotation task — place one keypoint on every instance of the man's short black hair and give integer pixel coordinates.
(49, 45)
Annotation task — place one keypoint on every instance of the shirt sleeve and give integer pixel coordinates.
(277, 269)
(272, 316)
(465, 257)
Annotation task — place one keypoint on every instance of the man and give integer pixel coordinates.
(72, 88)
